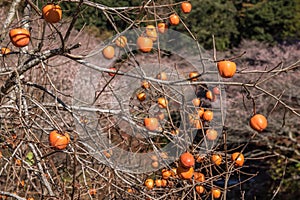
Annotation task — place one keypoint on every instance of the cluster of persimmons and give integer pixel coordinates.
(185, 170)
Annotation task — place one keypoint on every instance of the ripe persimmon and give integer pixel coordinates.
(258, 122)
(199, 189)
(238, 159)
(216, 159)
(165, 173)
(151, 124)
(226, 68)
(199, 177)
(144, 44)
(52, 13)
(209, 95)
(149, 183)
(186, 7)
(187, 160)
(19, 37)
(208, 115)
(216, 193)
(145, 84)
(164, 183)
(108, 52)
(174, 19)
(59, 140)
(121, 41)
(158, 182)
(162, 102)
(195, 121)
(200, 112)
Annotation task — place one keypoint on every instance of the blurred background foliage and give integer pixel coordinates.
(231, 21)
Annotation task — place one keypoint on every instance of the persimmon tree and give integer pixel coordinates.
(83, 118)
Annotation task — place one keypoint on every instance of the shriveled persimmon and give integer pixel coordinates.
(151, 32)
(141, 96)
(162, 27)
(155, 164)
(216, 90)
(185, 173)
(196, 102)
(92, 191)
(162, 76)
(111, 73)
(5, 51)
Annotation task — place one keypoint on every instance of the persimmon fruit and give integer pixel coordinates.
(238, 159)
(162, 27)
(149, 183)
(59, 140)
(187, 160)
(216, 159)
(144, 44)
(174, 19)
(258, 122)
(52, 13)
(19, 37)
(226, 68)
(108, 52)
(186, 7)
(151, 123)
(121, 41)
